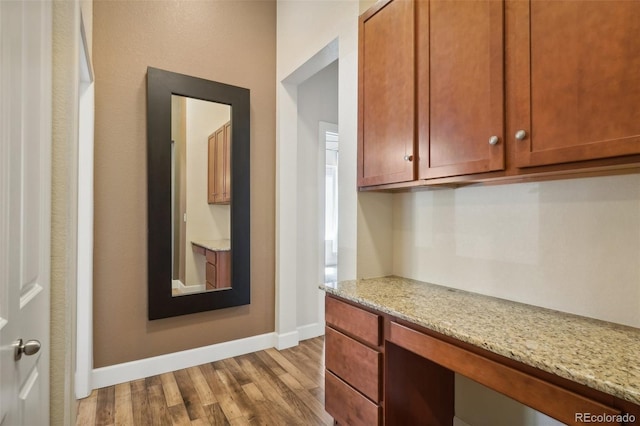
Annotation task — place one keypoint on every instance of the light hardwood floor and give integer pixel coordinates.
(269, 387)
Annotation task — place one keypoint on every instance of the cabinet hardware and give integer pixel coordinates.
(521, 135)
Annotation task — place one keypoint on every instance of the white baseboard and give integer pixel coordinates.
(128, 371)
(187, 289)
(287, 340)
(310, 331)
(134, 370)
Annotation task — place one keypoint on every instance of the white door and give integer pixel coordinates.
(25, 188)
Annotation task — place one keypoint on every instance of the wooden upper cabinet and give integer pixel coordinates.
(460, 87)
(219, 183)
(577, 80)
(226, 192)
(386, 94)
(211, 182)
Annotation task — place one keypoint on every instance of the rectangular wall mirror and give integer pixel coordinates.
(198, 194)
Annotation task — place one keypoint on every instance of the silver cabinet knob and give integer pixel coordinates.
(493, 140)
(29, 348)
(521, 135)
(408, 158)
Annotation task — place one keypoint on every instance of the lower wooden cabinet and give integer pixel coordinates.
(353, 321)
(356, 363)
(553, 400)
(406, 376)
(353, 359)
(218, 269)
(348, 406)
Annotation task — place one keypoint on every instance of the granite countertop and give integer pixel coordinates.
(601, 355)
(213, 245)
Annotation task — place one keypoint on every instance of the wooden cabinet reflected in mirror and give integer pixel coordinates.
(198, 194)
(220, 165)
(201, 195)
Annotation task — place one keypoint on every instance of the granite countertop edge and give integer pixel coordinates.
(214, 245)
(572, 369)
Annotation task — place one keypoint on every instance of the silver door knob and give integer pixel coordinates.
(28, 348)
(493, 140)
(408, 158)
(521, 135)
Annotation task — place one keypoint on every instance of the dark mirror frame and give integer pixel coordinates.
(160, 86)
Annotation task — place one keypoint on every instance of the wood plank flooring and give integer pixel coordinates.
(269, 387)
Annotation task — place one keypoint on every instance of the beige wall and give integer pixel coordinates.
(66, 45)
(230, 42)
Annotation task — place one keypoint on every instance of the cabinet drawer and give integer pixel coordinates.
(347, 406)
(211, 257)
(357, 322)
(354, 363)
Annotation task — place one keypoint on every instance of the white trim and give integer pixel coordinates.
(310, 331)
(84, 264)
(317, 62)
(126, 372)
(286, 193)
(86, 66)
(186, 289)
(134, 370)
(287, 340)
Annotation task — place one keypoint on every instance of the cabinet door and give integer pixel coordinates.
(460, 85)
(226, 193)
(211, 179)
(577, 73)
(223, 269)
(211, 276)
(219, 168)
(386, 94)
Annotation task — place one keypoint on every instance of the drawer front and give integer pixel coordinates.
(211, 275)
(357, 322)
(347, 406)
(211, 257)
(354, 363)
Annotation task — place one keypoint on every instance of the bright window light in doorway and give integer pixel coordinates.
(331, 207)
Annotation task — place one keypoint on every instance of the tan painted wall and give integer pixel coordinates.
(65, 45)
(230, 42)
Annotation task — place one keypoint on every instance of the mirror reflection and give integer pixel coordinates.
(200, 195)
